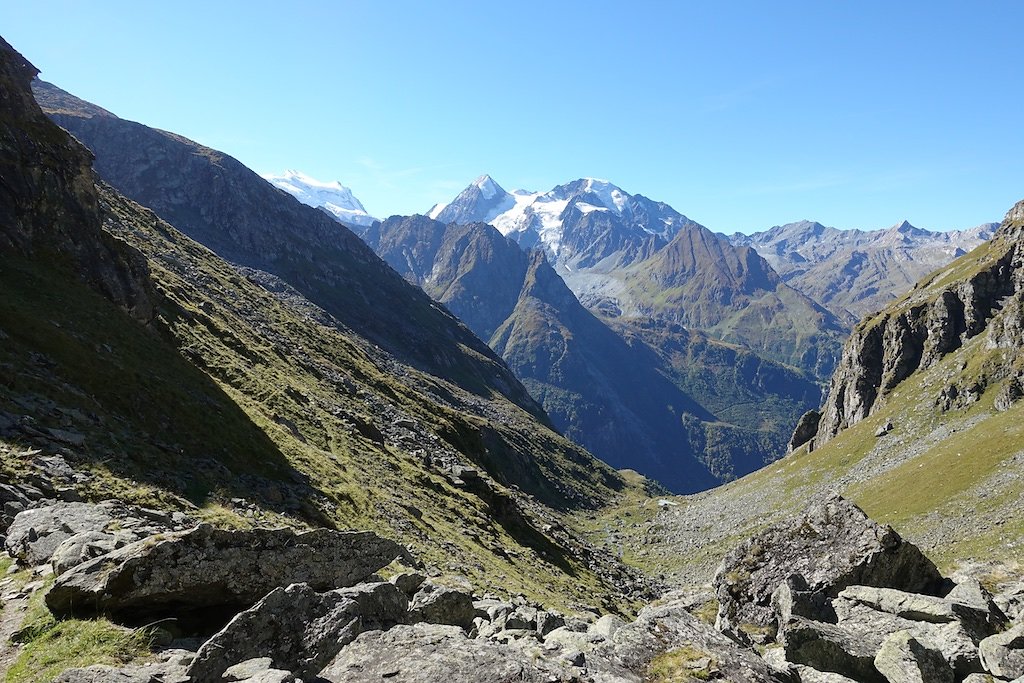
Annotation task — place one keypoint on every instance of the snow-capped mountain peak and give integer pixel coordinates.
(331, 196)
(488, 188)
(558, 219)
(611, 196)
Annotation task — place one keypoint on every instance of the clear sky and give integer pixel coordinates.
(741, 115)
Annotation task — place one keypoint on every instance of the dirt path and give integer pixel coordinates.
(11, 617)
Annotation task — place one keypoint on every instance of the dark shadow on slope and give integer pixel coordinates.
(145, 412)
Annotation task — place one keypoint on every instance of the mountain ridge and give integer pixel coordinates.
(857, 272)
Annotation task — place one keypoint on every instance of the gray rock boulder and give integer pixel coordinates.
(831, 648)
(13, 499)
(977, 622)
(903, 659)
(1002, 655)
(627, 653)
(969, 591)
(436, 604)
(607, 625)
(37, 533)
(872, 626)
(298, 629)
(103, 674)
(205, 571)
(832, 545)
(428, 653)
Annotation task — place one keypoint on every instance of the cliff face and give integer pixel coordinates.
(980, 293)
(48, 201)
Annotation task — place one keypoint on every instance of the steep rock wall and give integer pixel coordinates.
(982, 292)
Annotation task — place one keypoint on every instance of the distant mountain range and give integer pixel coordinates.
(332, 197)
(857, 272)
(639, 261)
(668, 402)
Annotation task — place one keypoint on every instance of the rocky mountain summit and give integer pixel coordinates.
(854, 273)
(641, 262)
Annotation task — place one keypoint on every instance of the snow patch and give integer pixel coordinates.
(332, 196)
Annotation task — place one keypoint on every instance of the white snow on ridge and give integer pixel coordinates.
(488, 188)
(611, 196)
(332, 196)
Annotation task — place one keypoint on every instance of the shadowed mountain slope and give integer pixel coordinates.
(220, 203)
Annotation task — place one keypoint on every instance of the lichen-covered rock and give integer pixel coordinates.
(1003, 654)
(832, 545)
(427, 653)
(904, 659)
(828, 647)
(627, 653)
(978, 622)
(299, 629)
(208, 570)
(958, 646)
(37, 533)
(436, 604)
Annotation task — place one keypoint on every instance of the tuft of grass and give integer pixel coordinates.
(76, 643)
(686, 663)
(708, 612)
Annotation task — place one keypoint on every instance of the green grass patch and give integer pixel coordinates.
(686, 663)
(76, 643)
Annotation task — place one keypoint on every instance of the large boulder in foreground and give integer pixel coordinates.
(667, 637)
(210, 574)
(832, 545)
(299, 629)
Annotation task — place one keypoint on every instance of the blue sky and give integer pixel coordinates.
(742, 115)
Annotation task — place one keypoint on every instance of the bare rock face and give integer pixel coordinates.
(48, 202)
(1003, 653)
(204, 570)
(436, 604)
(805, 430)
(299, 629)
(930, 323)
(831, 546)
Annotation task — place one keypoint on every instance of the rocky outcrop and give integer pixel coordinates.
(425, 653)
(299, 629)
(72, 533)
(805, 430)
(904, 659)
(48, 202)
(442, 605)
(832, 545)
(209, 571)
(982, 292)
